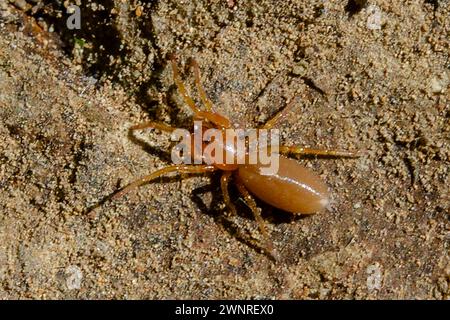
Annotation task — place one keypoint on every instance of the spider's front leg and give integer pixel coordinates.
(160, 172)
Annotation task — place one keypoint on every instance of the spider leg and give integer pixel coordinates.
(281, 115)
(181, 88)
(160, 172)
(213, 117)
(250, 201)
(297, 150)
(224, 182)
(205, 100)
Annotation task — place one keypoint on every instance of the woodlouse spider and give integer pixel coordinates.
(293, 188)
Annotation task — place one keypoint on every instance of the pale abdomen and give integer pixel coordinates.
(293, 188)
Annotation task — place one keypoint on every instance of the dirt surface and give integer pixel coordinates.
(371, 75)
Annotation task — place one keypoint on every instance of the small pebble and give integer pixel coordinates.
(22, 4)
(439, 84)
(300, 69)
(139, 11)
(374, 18)
(373, 277)
(74, 277)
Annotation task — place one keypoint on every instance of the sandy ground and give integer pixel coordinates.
(371, 75)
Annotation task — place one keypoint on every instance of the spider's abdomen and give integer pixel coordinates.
(292, 188)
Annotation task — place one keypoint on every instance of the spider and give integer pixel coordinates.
(292, 188)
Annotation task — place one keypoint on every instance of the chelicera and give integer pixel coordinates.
(293, 188)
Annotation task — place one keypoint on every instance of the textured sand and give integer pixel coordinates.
(374, 78)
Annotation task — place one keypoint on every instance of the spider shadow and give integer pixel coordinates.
(220, 216)
(163, 155)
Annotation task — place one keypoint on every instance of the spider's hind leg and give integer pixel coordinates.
(250, 201)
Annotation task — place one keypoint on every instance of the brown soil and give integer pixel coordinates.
(372, 75)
